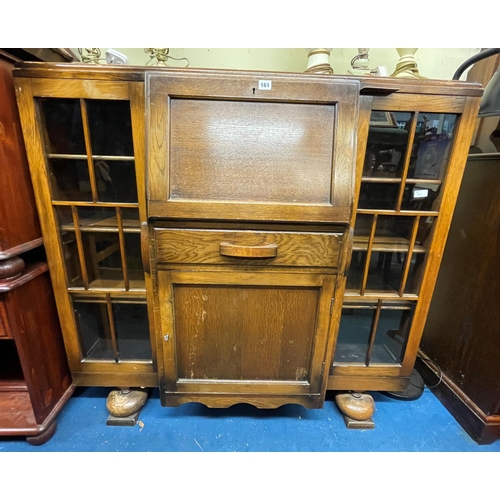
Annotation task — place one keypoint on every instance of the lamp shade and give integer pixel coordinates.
(490, 102)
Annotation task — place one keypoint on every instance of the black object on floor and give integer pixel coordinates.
(128, 421)
(414, 390)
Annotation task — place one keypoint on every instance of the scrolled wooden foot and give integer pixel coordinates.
(125, 402)
(44, 436)
(357, 409)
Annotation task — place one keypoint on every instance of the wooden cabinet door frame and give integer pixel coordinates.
(394, 376)
(262, 393)
(84, 372)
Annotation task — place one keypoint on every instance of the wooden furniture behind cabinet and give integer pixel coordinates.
(461, 335)
(35, 380)
(201, 224)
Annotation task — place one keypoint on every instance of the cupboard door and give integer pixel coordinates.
(224, 149)
(230, 338)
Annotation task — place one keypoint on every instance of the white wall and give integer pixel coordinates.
(432, 63)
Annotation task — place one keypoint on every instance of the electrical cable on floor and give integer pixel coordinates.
(437, 368)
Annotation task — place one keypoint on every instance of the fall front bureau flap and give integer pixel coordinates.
(251, 147)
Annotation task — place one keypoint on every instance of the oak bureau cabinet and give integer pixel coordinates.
(208, 231)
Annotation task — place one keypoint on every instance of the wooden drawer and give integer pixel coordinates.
(259, 248)
(4, 322)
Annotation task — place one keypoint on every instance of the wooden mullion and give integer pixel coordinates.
(112, 330)
(369, 254)
(79, 244)
(409, 147)
(121, 235)
(409, 255)
(88, 148)
(373, 332)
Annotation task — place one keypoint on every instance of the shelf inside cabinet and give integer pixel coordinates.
(102, 350)
(397, 180)
(381, 180)
(57, 156)
(423, 181)
(16, 413)
(112, 279)
(385, 244)
(375, 294)
(108, 225)
(371, 303)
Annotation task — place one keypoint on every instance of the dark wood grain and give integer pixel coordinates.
(4, 321)
(38, 338)
(461, 332)
(19, 224)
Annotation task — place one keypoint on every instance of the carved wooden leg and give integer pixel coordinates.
(44, 436)
(124, 405)
(357, 409)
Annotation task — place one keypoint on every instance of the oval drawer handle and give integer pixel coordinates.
(249, 252)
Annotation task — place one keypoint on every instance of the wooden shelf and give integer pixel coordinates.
(111, 280)
(58, 156)
(374, 295)
(371, 303)
(16, 413)
(93, 204)
(385, 244)
(397, 180)
(119, 297)
(102, 350)
(382, 180)
(373, 211)
(354, 354)
(13, 385)
(107, 225)
(423, 181)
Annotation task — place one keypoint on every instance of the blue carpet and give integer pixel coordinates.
(423, 425)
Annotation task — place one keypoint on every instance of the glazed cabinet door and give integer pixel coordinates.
(243, 148)
(85, 141)
(415, 148)
(233, 337)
